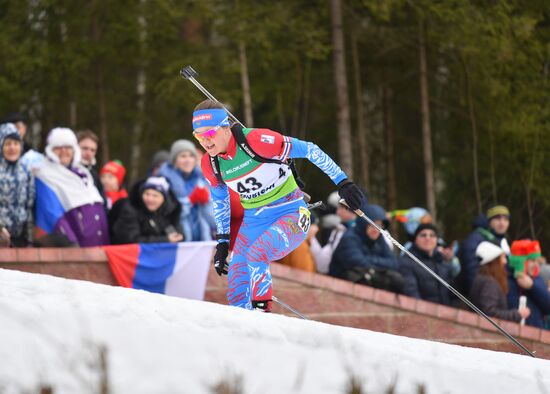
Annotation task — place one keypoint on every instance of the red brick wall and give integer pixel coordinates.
(319, 297)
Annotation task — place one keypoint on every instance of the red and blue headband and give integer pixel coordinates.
(210, 117)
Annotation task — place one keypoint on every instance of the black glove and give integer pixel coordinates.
(351, 194)
(220, 258)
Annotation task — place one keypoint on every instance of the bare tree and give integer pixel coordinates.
(141, 90)
(426, 130)
(340, 79)
(362, 131)
(247, 99)
(391, 193)
(100, 89)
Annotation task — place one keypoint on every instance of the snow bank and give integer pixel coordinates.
(51, 330)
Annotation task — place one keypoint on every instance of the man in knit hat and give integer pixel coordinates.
(491, 227)
(189, 185)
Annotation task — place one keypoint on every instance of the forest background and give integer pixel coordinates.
(439, 104)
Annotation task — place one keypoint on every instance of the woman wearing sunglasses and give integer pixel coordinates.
(276, 218)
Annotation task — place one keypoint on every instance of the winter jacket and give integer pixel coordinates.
(538, 299)
(197, 221)
(487, 295)
(467, 251)
(356, 249)
(420, 283)
(16, 197)
(132, 222)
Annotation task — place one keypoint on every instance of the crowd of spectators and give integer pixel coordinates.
(61, 197)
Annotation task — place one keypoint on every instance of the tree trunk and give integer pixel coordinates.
(472, 116)
(426, 131)
(100, 90)
(141, 90)
(247, 99)
(362, 131)
(340, 80)
(391, 194)
(493, 171)
(302, 130)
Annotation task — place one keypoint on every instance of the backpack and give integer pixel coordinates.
(240, 138)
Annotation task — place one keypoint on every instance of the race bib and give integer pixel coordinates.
(304, 220)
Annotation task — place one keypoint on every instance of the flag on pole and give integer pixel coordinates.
(175, 269)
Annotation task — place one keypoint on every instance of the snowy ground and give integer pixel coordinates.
(51, 330)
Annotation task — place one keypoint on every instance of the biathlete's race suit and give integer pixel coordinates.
(276, 219)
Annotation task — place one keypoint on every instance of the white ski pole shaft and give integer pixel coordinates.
(360, 213)
(522, 304)
(288, 307)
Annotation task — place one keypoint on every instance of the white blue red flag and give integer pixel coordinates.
(179, 270)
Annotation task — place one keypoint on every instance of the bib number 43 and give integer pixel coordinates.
(248, 185)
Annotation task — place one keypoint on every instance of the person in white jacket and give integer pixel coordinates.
(323, 254)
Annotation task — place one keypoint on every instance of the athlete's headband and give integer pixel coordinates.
(210, 117)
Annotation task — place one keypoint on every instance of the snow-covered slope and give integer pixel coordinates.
(51, 330)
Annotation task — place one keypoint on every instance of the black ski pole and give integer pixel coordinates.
(385, 233)
(190, 74)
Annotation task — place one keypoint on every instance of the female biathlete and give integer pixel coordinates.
(276, 218)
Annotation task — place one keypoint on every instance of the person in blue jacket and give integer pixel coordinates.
(183, 172)
(418, 282)
(363, 256)
(491, 227)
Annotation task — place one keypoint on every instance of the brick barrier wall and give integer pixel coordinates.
(319, 297)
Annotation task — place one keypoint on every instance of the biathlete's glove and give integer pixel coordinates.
(220, 258)
(351, 193)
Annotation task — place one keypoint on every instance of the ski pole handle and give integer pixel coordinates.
(522, 304)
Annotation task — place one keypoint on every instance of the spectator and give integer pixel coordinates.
(301, 257)
(322, 255)
(112, 178)
(418, 282)
(16, 189)
(493, 228)
(20, 122)
(88, 141)
(490, 284)
(30, 159)
(363, 256)
(67, 201)
(189, 185)
(159, 158)
(150, 215)
(523, 279)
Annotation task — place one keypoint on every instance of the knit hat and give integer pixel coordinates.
(62, 136)
(375, 212)
(425, 226)
(8, 130)
(333, 199)
(14, 117)
(487, 252)
(497, 210)
(158, 183)
(115, 168)
(160, 157)
(182, 146)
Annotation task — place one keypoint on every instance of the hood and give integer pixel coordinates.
(480, 221)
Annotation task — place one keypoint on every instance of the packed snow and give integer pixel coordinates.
(52, 330)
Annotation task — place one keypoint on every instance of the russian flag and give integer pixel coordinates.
(179, 270)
